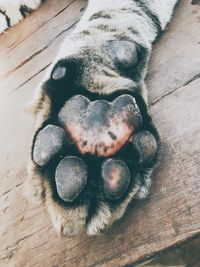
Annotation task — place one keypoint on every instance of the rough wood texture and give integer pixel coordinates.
(175, 58)
(185, 255)
(171, 214)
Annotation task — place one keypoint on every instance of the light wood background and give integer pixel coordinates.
(172, 213)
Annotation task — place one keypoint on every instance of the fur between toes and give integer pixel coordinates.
(101, 59)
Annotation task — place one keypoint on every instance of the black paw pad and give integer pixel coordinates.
(59, 73)
(116, 178)
(146, 146)
(124, 53)
(99, 127)
(71, 178)
(48, 143)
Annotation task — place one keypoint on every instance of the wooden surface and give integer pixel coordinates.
(171, 214)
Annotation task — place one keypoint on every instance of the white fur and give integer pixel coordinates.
(164, 9)
(144, 190)
(3, 23)
(99, 221)
(12, 7)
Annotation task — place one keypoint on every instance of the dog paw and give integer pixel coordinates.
(94, 149)
(92, 156)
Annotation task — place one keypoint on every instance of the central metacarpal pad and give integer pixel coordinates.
(99, 127)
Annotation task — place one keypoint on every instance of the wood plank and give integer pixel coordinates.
(186, 254)
(36, 43)
(41, 53)
(160, 65)
(168, 217)
(175, 59)
(12, 103)
(13, 119)
(38, 19)
(26, 72)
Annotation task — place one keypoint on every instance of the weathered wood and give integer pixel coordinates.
(49, 11)
(186, 254)
(14, 135)
(168, 217)
(175, 59)
(18, 67)
(36, 44)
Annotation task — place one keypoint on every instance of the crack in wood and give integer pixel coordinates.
(42, 25)
(106, 260)
(39, 51)
(15, 247)
(196, 77)
(45, 67)
(64, 9)
(192, 80)
(33, 76)
(168, 249)
(7, 191)
(26, 60)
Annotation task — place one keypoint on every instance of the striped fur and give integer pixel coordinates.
(13, 11)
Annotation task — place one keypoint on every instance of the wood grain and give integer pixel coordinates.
(171, 214)
(175, 59)
(47, 13)
(17, 67)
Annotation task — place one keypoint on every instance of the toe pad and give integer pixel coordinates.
(71, 177)
(116, 178)
(146, 146)
(49, 142)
